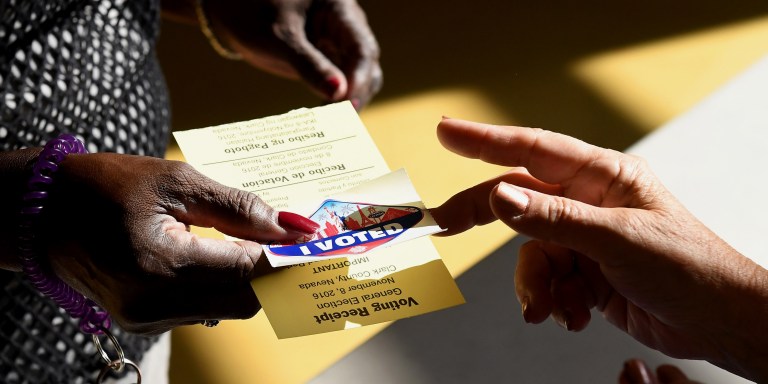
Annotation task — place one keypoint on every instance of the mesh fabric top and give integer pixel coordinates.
(86, 68)
(82, 67)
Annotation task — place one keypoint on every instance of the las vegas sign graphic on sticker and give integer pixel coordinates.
(347, 227)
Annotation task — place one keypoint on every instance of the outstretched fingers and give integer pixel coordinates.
(548, 283)
(550, 157)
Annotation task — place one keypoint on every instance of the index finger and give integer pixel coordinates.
(550, 157)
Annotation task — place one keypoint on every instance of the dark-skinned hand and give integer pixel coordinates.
(326, 43)
(117, 230)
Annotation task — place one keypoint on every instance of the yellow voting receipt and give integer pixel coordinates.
(370, 263)
(375, 283)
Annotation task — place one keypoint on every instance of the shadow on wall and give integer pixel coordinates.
(515, 52)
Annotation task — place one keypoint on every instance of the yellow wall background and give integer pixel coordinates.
(607, 72)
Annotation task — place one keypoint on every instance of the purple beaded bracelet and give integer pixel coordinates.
(93, 319)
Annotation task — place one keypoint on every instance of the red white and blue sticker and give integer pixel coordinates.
(351, 228)
(352, 224)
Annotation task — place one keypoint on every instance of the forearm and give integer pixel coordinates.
(14, 171)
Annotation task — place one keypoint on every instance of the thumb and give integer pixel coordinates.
(555, 219)
(241, 214)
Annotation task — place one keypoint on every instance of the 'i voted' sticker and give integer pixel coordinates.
(380, 213)
(351, 228)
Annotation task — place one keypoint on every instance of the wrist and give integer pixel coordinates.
(15, 168)
(743, 341)
(31, 237)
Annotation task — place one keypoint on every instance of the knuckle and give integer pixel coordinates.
(174, 176)
(244, 202)
(254, 207)
(243, 265)
(633, 180)
(182, 172)
(559, 211)
(289, 34)
(539, 137)
(631, 166)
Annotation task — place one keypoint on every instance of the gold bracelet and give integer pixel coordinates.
(205, 26)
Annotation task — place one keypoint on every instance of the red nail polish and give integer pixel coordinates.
(297, 223)
(333, 82)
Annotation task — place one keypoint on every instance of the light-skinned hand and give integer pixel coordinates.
(635, 371)
(609, 236)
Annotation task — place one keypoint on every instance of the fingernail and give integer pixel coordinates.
(637, 372)
(568, 320)
(297, 223)
(517, 201)
(445, 117)
(355, 103)
(333, 83)
(524, 303)
(333, 88)
(565, 320)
